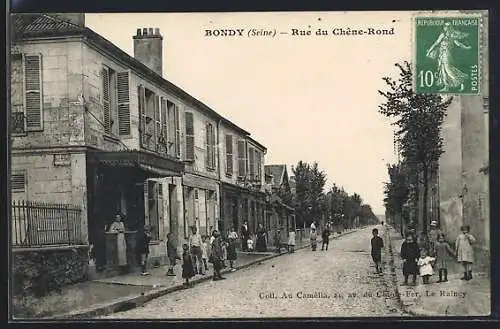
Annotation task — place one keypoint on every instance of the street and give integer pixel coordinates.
(339, 282)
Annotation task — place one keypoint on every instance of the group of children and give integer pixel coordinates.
(422, 261)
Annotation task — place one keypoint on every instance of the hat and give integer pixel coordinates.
(433, 223)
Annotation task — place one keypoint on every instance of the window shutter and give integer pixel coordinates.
(207, 145)
(189, 136)
(141, 94)
(157, 127)
(258, 165)
(251, 162)
(164, 118)
(229, 154)
(123, 87)
(214, 146)
(241, 159)
(106, 100)
(33, 104)
(18, 182)
(159, 202)
(177, 132)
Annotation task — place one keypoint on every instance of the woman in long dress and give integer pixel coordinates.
(448, 75)
(261, 239)
(231, 248)
(121, 246)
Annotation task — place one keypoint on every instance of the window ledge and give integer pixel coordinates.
(110, 138)
(155, 242)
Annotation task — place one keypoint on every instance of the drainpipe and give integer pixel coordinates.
(216, 224)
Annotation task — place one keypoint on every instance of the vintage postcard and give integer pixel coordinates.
(249, 165)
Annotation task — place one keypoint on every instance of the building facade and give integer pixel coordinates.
(463, 167)
(95, 127)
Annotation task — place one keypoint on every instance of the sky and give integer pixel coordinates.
(306, 97)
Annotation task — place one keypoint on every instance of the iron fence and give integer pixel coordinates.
(37, 224)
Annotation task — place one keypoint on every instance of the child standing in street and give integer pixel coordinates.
(425, 266)
(204, 251)
(442, 249)
(224, 253)
(277, 241)
(250, 244)
(143, 246)
(314, 239)
(410, 253)
(465, 252)
(187, 264)
(377, 245)
(291, 241)
(171, 254)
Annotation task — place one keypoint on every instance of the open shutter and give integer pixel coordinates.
(189, 136)
(242, 170)
(123, 84)
(251, 162)
(33, 104)
(229, 154)
(157, 126)
(164, 120)
(177, 132)
(258, 166)
(159, 202)
(214, 146)
(106, 100)
(141, 94)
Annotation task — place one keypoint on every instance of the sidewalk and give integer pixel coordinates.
(453, 298)
(119, 293)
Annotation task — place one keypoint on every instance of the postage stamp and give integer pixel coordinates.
(447, 54)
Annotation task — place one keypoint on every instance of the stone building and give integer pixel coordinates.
(95, 127)
(463, 168)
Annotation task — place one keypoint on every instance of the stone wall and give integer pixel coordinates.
(39, 271)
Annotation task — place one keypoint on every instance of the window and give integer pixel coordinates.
(242, 161)
(177, 132)
(251, 162)
(210, 144)
(189, 136)
(174, 134)
(141, 94)
(33, 104)
(157, 123)
(164, 123)
(229, 155)
(258, 166)
(18, 182)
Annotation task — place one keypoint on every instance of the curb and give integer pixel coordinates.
(127, 303)
(402, 305)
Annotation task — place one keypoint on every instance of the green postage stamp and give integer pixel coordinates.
(447, 57)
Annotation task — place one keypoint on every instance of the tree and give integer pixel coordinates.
(396, 193)
(419, 118)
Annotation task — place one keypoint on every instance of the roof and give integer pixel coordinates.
(277, 171)
(257, 143)
(28, 26)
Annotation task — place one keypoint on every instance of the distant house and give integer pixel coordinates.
(280, 212)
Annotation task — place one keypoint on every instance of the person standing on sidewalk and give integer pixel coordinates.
(143, 248)
(231, 248)
(216, 256)
(195, 249)
(377, 245)
(277, 241)
(171, 254)
(313, 237)
(465, 252)
(425, 266)
(245, 235)
(325, 237)
(118, 227)
(443, 249)
(260, 244)
(204, 251)
(432, 237)
(187, 265)
(410, 253)
(291, 241)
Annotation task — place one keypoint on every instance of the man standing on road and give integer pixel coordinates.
(245, 234)
(325, 237)
(377, 245)
(195, 242)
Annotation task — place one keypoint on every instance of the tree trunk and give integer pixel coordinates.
(426, 192)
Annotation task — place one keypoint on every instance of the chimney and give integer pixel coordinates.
(148, 48)
(74, 18)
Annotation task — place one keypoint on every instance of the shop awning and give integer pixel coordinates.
(154, 164)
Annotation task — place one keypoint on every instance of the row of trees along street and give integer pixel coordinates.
(312, 203)
(418, 119)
